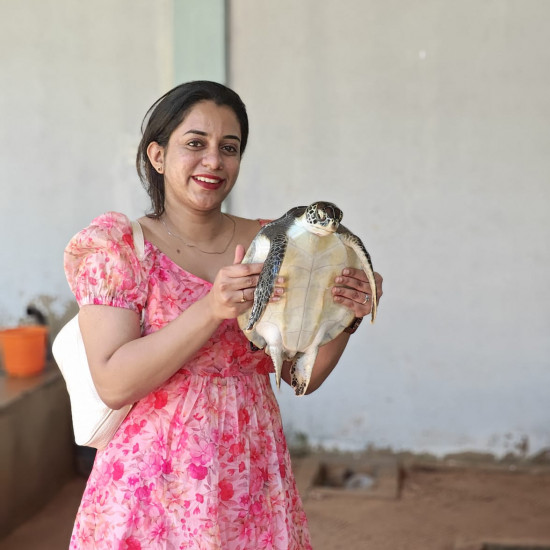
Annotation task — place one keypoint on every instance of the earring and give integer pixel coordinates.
(159, 169)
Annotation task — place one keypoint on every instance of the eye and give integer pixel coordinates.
(230, 148)
(321, 214)
(194, 143)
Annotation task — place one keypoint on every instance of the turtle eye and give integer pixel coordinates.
(321, 214)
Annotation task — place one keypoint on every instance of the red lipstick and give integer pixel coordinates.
(207, 181)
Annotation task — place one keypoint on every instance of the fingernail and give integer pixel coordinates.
(346, 272)
(339, 279)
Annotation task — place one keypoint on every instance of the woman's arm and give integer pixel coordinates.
(125, 367)
(351, 295)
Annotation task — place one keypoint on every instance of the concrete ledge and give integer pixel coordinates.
(37, 451)
(323, 475)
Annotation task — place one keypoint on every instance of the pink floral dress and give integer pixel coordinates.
(202, 462)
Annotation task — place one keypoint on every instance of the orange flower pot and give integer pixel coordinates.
(24, 350)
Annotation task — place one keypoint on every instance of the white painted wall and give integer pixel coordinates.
(75, 80)
(427, 122)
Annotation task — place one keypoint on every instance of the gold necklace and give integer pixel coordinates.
(176, 236)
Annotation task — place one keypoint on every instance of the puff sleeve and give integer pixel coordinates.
(102, 267)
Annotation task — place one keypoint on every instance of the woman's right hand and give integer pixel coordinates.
(232, 292)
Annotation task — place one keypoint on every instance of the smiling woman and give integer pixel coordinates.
(201, 460)
(201, 161)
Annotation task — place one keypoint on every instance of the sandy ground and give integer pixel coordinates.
(435, 509)
(439, 509)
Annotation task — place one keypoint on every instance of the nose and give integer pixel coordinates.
(212, 159)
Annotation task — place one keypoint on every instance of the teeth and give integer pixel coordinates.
(207, 180)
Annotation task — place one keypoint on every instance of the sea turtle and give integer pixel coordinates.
(308, 247)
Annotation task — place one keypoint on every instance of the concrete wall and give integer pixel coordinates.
(76, 79)
(427, 122)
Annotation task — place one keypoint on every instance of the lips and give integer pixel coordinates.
(207, 181)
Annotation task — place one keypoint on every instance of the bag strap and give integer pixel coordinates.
(139, 240)
(139, 247)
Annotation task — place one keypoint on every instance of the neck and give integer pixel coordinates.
(197, 227)
(209, 233)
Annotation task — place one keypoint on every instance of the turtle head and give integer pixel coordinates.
(322, 217)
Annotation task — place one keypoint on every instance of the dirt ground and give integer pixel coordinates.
(435, 508)
(439, 508)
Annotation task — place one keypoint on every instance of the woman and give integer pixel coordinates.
(201, 460)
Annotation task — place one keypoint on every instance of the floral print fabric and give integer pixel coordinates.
(201, 463)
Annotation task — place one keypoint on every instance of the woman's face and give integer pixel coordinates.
(202, 159)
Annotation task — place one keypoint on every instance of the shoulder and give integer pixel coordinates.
(246, 229)
(108, 236)
(102, 266)
(111, 226)
(114, 222)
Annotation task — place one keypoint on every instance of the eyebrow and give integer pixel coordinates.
(201, 133)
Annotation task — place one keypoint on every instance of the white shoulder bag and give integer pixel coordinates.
(94, 424)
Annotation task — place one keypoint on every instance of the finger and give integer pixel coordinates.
(359, 301)
(277, 294)
(238, 270)
(249, 285)
(357, 296)
(354, 273)
(359, 310)
(352, 282)
(357, 279)
(241, 295)
(239, 254)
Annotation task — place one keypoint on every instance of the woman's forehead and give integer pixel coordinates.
(206, 117)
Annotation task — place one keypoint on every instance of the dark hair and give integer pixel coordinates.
(166, 114)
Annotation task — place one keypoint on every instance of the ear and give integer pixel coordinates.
(155, 152)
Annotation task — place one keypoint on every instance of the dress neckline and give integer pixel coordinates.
(261, 221)
(183, 270)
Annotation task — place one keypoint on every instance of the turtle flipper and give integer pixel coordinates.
(268, 276)
(354, 242)
(301, 369)
(276, 353)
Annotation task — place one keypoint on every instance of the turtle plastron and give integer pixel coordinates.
(309, 248)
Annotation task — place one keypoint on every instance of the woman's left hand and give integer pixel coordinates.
(353, 291)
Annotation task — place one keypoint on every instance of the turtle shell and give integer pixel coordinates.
(309, 249)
